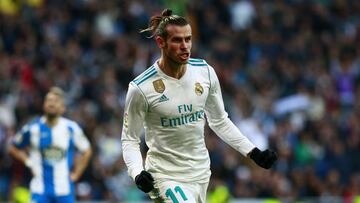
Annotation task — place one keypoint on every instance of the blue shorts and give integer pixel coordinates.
(44, 198)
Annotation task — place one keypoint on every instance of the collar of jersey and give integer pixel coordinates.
(169, 77)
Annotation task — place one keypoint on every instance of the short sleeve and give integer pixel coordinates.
(22, 138)
(80, 141)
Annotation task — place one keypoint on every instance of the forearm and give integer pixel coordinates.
(132, 157)
(229, 133)
(82, 163)
(18, 154)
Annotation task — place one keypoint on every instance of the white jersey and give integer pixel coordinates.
(172, 111)
(51, 153)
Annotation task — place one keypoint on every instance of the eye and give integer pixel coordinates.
(177, 39)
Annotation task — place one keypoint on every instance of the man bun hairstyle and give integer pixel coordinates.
(158, 23)
(166, 12)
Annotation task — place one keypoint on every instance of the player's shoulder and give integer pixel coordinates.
(200, 68)
(33, 122)
(71, 124)
(197, 62)
(145, 76)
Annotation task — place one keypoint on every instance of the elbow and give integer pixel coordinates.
(89, 152)
(86, 155)
(130, 144)
(216, 123)
(12, 150)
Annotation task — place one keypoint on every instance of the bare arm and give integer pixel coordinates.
(17, 148)
(80, 164)
(19, 154)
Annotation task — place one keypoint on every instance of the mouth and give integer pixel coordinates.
(185, 56)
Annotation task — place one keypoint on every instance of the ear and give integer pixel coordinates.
(62, 109)
(160, 42)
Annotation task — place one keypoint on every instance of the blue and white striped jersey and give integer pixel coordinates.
(51, 153)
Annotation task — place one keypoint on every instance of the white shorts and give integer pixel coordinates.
(168, 191)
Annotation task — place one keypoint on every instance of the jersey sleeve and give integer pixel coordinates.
(134, 115)
(80, 141)
(22, 138)
(219, 121)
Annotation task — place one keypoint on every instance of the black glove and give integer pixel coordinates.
(264, 159)
(144, 181)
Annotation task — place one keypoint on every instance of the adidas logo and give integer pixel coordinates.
(163, 98)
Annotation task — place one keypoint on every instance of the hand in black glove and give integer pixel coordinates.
(145, 181)
(264, 159)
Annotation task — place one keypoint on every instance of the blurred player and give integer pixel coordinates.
(51, 141)
(170, 100)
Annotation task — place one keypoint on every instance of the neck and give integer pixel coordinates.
(172, 68)
(51, 120)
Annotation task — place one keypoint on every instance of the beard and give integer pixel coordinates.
(51, 116)
(175, 60)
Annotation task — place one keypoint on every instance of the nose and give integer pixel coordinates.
(183, 45)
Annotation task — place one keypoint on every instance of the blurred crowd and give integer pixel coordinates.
(289, 69)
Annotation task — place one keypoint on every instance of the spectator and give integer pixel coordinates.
(282, 48)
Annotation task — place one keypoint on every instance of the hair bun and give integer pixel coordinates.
(166, 12)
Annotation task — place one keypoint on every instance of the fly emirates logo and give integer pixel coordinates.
(187, 115)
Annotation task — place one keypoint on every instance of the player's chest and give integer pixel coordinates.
(174, 98)
(57, 137)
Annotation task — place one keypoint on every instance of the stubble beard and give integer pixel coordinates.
(174, 61)
(51, 116)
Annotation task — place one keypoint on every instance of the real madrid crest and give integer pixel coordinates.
(198, 89)
(159, 86)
